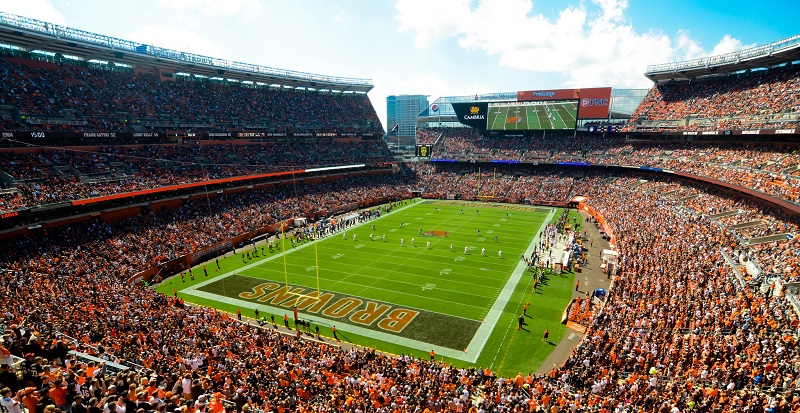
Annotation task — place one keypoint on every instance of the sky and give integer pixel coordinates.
(438, 47)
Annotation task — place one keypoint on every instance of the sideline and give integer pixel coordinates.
(485, 330)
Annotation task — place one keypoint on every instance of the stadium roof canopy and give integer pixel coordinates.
(782, 51)
(31, 34)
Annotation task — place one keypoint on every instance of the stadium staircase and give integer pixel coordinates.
(66, 171)
(121, 168)
(746, 271)
(438, 139)
(5, 178)
(640, 118)
(647, 111)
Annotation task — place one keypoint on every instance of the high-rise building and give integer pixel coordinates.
(402, 111)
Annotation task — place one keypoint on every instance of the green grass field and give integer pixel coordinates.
(550, 115)
(408, 298)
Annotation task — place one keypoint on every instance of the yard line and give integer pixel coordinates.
(491, 119)
(563, 123)
(538, 119)
(383, 289)
(456, 267)
(528, 117)
(571, 110)
(280, 254)
(539, 116)
(434, 259)
(466, 264)
(374, 247)
(338, 280)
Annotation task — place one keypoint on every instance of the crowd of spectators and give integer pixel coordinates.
(768, 99)
(773, 256)
(677, 331)
(771, 169)
(455, 141)
(763, 168)
(467, 144)
(429, 135)
(468, 183)
(49, 175)
(68, 97)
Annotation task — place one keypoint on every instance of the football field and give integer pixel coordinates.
(405, 290)
(548, 116)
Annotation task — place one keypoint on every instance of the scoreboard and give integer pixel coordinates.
(519, 116)
(424, 150)
(544, 109)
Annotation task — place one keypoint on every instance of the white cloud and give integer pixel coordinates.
(212, 8)
(37, 9)
(589, 46)
(176, 39)
(438, 19)
(729, 44)
(613, 9)
(690, 47)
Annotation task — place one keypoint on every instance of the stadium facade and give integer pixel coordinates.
(41, 45)
(47, 39)
(717, 270)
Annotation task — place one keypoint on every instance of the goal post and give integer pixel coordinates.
(314, 295)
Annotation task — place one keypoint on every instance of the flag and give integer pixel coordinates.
(394, 129)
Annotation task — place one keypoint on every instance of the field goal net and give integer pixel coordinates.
(314, 295)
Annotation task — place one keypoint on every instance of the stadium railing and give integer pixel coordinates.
(733, 57)
(736, 271)
(109, 367)
(127, 45)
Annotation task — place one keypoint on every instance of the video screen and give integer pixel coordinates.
(538, 115)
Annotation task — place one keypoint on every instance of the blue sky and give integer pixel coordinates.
(438, 47)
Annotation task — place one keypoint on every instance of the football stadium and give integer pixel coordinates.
(165, 248)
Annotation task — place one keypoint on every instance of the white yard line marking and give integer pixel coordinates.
(332, 282)
(306, 245)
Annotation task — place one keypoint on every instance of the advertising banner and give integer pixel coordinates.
(593, 103)
(472, 113)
